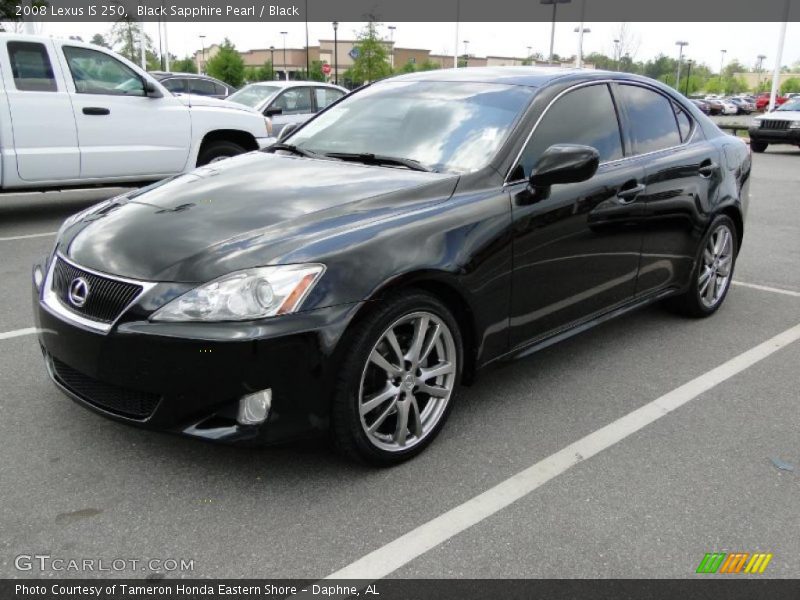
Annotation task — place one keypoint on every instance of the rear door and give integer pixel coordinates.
(121, 131)
(296, 104)
(576, 250)
(45, 137)
(682, 176)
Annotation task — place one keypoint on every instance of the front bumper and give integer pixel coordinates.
(188, 377)
(775, 136)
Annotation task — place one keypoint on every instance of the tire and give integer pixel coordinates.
(215, 151)
(715, 267)
(758, 147)
(396, 392)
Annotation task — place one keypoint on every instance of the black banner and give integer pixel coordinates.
(734, 588)
(402, 11)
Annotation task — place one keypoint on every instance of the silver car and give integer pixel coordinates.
(287, 102)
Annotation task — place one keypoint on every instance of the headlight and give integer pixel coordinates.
(245, 295)
(794, 125)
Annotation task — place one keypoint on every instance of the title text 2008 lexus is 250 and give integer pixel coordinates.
(351, 277)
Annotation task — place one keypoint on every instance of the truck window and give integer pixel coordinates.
(96, 72)
(31, 67)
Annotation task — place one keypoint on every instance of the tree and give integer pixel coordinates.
(125, 38)
(99, 40)
(372, 60)
(791, 85)
(184, 65)
(428, 65)
(316, 74)
(227, 65)
(409, 67)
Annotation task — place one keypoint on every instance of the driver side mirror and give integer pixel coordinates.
(151, 91)
(287, 131)
(564, 163)
(272, 111)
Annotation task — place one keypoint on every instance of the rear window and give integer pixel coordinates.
(31, 68)
(652, 119)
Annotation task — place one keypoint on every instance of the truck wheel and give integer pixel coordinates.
(758, 146)
(216, 151)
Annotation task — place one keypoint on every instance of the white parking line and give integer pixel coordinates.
(395, 554)
(27, 237)
(18, 333)
(765, 288)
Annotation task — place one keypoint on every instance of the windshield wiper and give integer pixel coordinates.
(293, 149)
(379, 159)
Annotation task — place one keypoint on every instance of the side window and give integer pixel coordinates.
(176, 85)
(294, 100)
(96, 72)
(684, 122)
(583, 116)
(326, 96)
(202, 87)
(652, 119)
(31, 67)
(220, 90)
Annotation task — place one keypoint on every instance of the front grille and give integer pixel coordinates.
(106, 298)
(774, 124)
(112, 398)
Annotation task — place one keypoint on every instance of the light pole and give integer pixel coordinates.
(335, 52)
(308, 60)
(466, 53)
(759, 65)
(555, 4)
(272, 63)
(530, 54)
(391, 41)
(680, 58)
(285, 67)
(203, 46)
(616, 55)
(721, 62)
(688, 75)
(579, 58)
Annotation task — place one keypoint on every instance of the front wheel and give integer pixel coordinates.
(713, 272)
(217, 151)
(398, 380)
(758, 146)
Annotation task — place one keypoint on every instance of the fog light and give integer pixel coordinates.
(38, 277)
(254, 408)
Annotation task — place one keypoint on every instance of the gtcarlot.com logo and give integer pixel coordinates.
(735, 562)
(45, 562)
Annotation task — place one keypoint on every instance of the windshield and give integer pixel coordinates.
(253, 95)
(446, 127)
(790, 105)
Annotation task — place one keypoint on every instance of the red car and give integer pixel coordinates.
(762, 101)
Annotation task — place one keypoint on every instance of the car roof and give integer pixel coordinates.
(294, 83)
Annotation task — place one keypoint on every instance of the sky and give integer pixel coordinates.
(743, 41)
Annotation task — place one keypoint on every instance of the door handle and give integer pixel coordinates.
(628, 195)
(96, 110)
(708, 169)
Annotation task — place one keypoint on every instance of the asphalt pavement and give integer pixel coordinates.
(699, 479)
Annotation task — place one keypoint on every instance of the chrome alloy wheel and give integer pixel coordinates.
(717, 263)
(407, 382)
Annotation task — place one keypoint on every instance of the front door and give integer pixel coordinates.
(122, 132)
(576, 248)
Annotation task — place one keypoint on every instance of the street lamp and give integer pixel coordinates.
(580, 31)
(335, 52)
(760, 58)
(203, 46)
(285, 67)
(466, 54)
(616, 55)
(688, 75)
(555, 4)
(391, 40)
(721, 62)
(680, 58)
(272, 63)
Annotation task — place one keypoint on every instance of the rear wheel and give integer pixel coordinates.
(758, 146)
(398, 380)
(713, 272)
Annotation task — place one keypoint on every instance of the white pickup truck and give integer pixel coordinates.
(74, 114)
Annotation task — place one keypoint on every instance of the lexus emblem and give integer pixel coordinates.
(78, 292)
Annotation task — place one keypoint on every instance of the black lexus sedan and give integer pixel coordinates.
(351, 277)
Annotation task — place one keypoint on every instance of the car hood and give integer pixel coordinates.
(780, 115)
(252, 210)
(195, 100)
